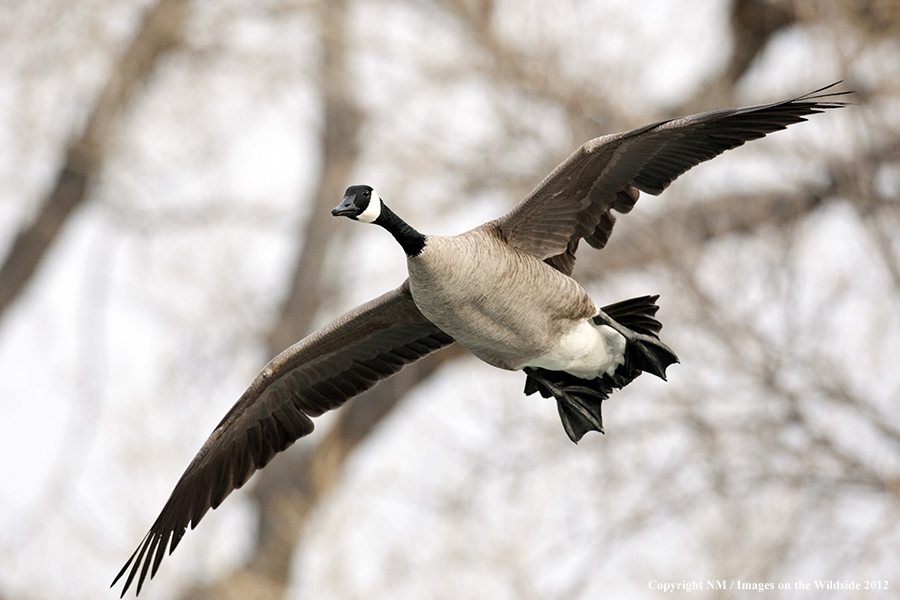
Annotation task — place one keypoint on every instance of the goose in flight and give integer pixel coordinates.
(502, 290)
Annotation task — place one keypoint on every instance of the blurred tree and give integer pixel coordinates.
(774, 450)
(161, 31)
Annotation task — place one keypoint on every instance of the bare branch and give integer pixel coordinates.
(162, 29)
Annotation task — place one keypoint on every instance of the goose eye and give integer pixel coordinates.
(366, 193)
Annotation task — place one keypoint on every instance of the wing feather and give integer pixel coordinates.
(575, 200)
(315, 375)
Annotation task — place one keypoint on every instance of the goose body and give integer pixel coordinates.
(503, 290)
(508, 308)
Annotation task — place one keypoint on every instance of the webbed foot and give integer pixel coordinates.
(578, 404)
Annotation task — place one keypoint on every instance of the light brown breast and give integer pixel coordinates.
(503, 305)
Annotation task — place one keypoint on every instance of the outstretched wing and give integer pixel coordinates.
(317, 374)
(575, 200)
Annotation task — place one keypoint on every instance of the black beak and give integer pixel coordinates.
(346, 208)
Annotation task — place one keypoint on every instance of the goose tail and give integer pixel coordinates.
(579, 400)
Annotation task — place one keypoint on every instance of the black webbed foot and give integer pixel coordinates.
(642, 352)
(578, 404)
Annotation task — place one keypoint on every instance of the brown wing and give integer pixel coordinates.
(317, 374)
(575, 200)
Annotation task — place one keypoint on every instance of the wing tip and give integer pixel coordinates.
(817, 94)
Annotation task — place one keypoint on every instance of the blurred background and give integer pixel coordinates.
(166, 172)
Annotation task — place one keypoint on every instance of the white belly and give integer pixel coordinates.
(586, 351)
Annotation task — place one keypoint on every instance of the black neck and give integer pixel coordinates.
(409, 239)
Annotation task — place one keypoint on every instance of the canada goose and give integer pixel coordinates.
(502, 290)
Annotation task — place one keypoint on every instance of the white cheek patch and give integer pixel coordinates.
(373, 210)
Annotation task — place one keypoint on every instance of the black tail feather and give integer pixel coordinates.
(637, 314)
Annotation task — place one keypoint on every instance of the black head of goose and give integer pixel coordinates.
(503, 290)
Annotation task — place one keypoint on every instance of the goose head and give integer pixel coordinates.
(360, 203)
